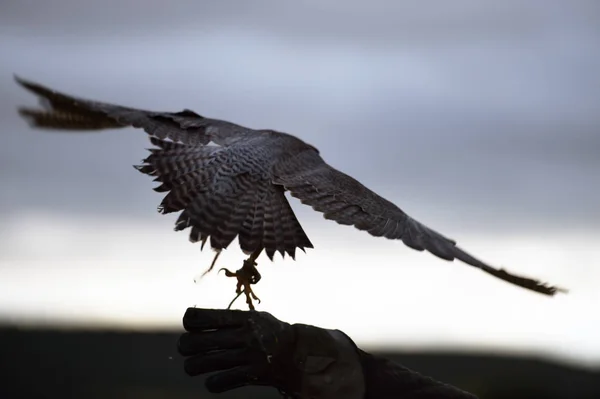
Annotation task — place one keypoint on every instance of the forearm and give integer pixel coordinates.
(302, 361)
(329, 363)
(385, 379)
(334, 368)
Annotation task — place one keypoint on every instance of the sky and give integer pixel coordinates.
(478, 118)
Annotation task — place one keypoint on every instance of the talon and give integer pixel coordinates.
(234, 299)
(246, 276)
(228, 273)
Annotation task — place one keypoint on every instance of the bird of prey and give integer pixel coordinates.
(229, 181)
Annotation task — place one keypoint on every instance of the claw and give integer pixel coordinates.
(246, 276)
(228, 273)
(234, 299)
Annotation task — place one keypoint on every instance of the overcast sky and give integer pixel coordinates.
(481, 119)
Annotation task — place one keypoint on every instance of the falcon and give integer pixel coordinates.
(229, 181)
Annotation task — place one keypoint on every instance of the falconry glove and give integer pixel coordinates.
(255, 348)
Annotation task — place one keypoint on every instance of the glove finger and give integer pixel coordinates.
(236, 378)
(217, 361)
(197, 343)
(197, 319)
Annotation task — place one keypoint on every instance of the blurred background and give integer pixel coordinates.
(481, 119)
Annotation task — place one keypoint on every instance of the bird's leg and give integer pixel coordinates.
(246, 276)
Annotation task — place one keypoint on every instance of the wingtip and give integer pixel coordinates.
(547, 290)
(560, 290)
(527, 283)
(28, 115)
(35, 88)
(21, 81)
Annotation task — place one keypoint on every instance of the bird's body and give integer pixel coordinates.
(229, 181)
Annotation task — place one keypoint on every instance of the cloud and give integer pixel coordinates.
(491, 131)
(386, 22)
(465, 137)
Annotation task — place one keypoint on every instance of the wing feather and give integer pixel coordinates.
(65, 112)
(346, 201)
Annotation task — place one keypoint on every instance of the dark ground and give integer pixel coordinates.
(94, 364)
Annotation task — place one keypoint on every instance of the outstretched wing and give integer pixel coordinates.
(223, 191)
(67, 112)
(346, 201)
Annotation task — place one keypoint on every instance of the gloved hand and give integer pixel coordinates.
(254, 348)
